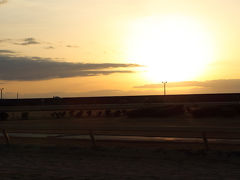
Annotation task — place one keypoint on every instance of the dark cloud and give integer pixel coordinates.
(28, 41)
(3, 1)
(36, 68)
(3, 51)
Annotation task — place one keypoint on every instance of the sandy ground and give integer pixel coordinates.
(49, 159)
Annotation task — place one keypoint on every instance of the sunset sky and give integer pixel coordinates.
(72, 48)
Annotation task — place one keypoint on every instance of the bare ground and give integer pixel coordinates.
(47, 158)
(28, 162)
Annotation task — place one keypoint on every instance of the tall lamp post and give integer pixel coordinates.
(1, 89)
(164, 87)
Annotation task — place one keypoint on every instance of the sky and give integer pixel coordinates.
(73, 48)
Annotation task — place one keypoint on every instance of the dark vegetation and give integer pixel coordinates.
(201, 111)
(234, 97)
(87, 113)
(58, 115)
(3, 116)
(215, 111)
(163, 111)
(25, 115)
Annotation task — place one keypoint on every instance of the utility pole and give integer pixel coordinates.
(164, 87)
(1, 89)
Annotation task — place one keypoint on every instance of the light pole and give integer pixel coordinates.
(1, 89)
(164, 87)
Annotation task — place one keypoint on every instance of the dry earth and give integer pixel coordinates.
(28, 162)
(46, 159)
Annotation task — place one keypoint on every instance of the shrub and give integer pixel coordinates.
(71, 113)
(79, 114)
(99, 114)
(89, 113)
(24, 115)
(117, 113)
(4, 116)
(215, 111)
(108, 113)
(162, 111)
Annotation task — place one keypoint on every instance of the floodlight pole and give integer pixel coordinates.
(164, 87)
(1, 89)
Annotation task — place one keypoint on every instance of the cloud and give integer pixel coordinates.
(3, 1)
(72, 46)
(97, 93)
(210, 86)
(3, 51)
(5, 40)
(33, 41)
(172, 84)
(49, 47)
(28, 41)
(210, 83)
(37, 68)
(23, 42)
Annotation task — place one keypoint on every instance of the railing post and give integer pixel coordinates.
(92, 138)
(205, 140)
(7, 139)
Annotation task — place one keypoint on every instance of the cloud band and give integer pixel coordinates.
(36, 68)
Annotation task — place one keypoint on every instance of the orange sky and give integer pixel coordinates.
(118, 47)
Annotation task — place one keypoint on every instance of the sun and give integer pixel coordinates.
(173, 48)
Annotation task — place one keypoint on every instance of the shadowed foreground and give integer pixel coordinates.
(45, 162)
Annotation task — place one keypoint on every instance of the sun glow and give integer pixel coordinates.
(173, 48)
